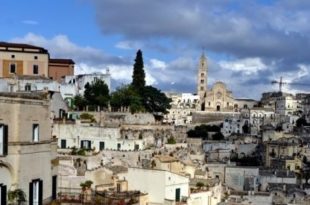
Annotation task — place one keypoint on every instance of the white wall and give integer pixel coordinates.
(159, 184)
(75, 133)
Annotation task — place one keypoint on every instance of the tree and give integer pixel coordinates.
(17, 195)
(218, 136)
(126, 97)
(138, 77)
(154, 101)
(97, 94)
(201, 131)
(301, 122)
(79, 102)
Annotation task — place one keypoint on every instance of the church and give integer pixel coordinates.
(217, 98)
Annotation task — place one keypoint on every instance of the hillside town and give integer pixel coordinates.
(70, 139)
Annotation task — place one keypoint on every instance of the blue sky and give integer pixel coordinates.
(248, 43)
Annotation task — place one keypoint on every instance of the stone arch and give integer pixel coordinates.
(6, 174)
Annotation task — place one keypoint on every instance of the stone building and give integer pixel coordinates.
(59, 68)
(27, 150)
(23, 59)
(218, 98)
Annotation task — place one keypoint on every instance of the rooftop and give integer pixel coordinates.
(61, 61)
(6, 46)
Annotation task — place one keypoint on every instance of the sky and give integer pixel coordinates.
(248, 44)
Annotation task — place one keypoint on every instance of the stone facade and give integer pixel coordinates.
(27, 149)
(217, 98)
(23, 59)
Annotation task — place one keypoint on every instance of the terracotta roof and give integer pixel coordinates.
(61, 61)
(22, 45)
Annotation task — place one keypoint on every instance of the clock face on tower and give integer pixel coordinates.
(218, 95)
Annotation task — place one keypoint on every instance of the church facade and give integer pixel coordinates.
(217, 98)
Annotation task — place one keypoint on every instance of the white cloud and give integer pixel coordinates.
(158, 64)
(248, 66)
(60, 46)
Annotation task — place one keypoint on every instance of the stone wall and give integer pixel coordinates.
(206, 117)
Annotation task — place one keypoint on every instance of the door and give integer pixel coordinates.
(177, 194)
(54, 187)
(3, 194)
(63, 144)
(101, 145)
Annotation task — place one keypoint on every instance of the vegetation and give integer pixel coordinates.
(218, 136)
(154, 101)
(301, 122)
(127, 97)
(86, 185)
(79, 102)
(200, 185)
(17, 196)
(202, 131)
(97, 94)
(138, 76)
(171, 140)
(87, 116)
(137, 97)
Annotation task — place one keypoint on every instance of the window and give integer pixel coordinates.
(36, 192)
(202, 81)
(86, 144)
(201, 88)
(3, 140)
(118, 187)
(63, 144)
(27, 87)
(12, 68)
(12, 56)
(35, 132)
(35, 57)
(35, 69)
(101, 145)
(3, 194)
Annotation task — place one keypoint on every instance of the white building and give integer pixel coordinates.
(83, 135)
(161, 186)
(182, 106)
(286, 105)
(28, 83)
(75, 84)
(234, 125)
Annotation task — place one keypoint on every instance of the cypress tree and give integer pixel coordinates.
(138, 77)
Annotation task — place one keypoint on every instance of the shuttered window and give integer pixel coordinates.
(35, 132)
(36, 192)
(3, 140)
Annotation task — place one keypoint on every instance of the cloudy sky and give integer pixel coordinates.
(248, 43)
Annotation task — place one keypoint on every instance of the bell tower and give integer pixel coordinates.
(202, 81)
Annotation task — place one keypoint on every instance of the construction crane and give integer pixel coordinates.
(281, 83)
